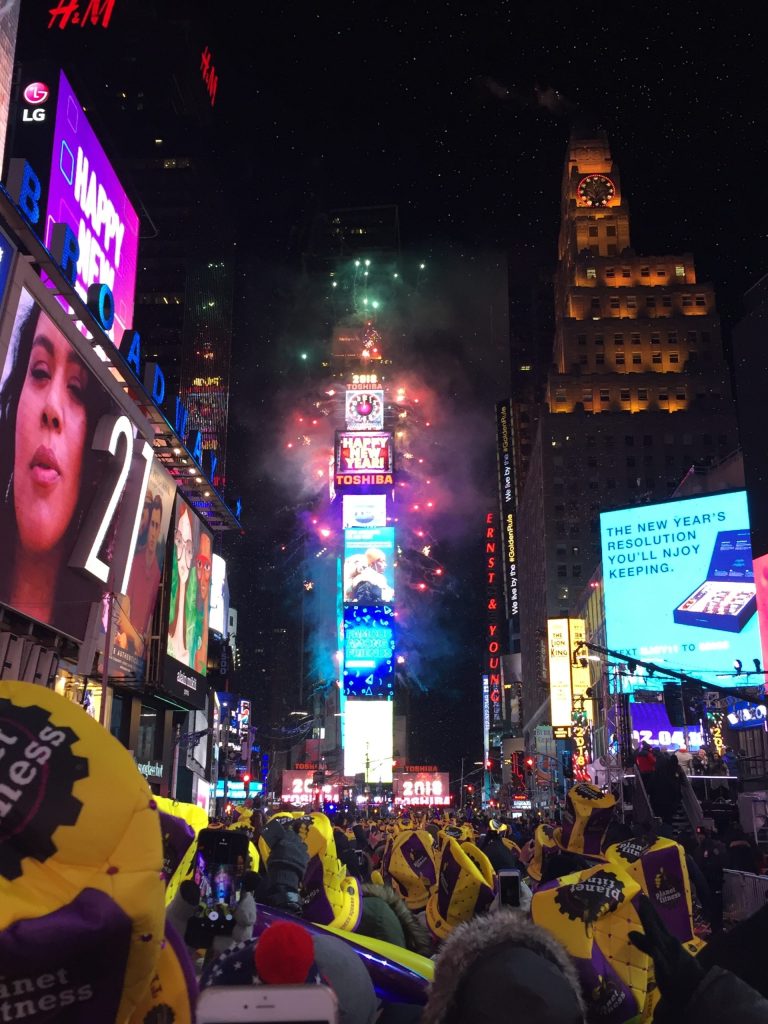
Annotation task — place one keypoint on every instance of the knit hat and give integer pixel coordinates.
(592, 913)
(502, 960)
(81, 889)
(462, 891)
(331, 896)
(588, 813)
(409, 866)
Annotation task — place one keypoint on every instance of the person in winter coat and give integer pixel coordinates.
(502, 969)
(385, 916)
(690, 990)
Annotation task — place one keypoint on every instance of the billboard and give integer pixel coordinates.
(363, 510)
(133, 611)
(369, 573)
(560, 686)
(422, 789)
(85, 193)
(186, 662)
(651, 724)
(9, 24)
(299, 788)
(369, 740)
(369, 652)
(680, 585)
(364, 409)
(71, 468)
(505, 453)
(363, 459)
(219, 613)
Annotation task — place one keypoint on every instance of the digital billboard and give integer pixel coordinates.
(186, 664)
(369, 574)
(651, 725)
(300, 789)
(219, 614)
(369, 739)
(369, 651)
(68, 460)
(133, 611)
(560, 684)
(363, 510)
(680, 585)
(363, 459)
(421, 789)
(364, 409)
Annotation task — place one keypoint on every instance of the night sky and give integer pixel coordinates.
(460, 114)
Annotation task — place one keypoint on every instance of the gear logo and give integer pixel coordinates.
(590, 898)
(583, 789)
(633, 849)
(37, 774)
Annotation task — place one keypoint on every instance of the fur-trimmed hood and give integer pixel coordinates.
(471, 942)
(417, 938)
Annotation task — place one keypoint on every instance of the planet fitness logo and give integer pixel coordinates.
(588, 792)
(591, 898)
(633, 849)
(36, 92)
(37, 774)
(665, 889)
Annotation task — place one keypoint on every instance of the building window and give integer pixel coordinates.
(655, 339)
(586, 395)
(562, 571)
(614, 301)
(687, 300)
(624, 394)
(701, 300)
(576, 571)
(592, 231)
(674, 357)
(605, 395)
(663, 396)
(618, 339)
(631, 302)
(599, 359)
(691, 337)
(661, 271)
(598, 339)
(680, 396)
(656, 358)
(625, 272)
(631, 462)
(637, 359)
(583, 359)
(650, 302)
(595, 306)
(666, 300)
(591, 273)
(581, 339)
(672, 338)
(679, 270)
(560, 397)
(560, 551)
(620, 360)
(642, 394)
(635, 339)
(610, 230)
(645, 271)
(610, 272)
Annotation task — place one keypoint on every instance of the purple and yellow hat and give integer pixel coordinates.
(462, 891)
(588, 813)
(331, 896)
(545, 847)
(409, 866)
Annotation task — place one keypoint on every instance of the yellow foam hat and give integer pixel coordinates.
(331, 896)
(461, 891)
(409, 866)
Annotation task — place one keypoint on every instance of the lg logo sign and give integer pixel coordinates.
(35, 94)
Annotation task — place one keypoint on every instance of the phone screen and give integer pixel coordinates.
(509, 888)
(220, 864)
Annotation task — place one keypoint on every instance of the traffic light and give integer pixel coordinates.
(530, 763)
(246, 778)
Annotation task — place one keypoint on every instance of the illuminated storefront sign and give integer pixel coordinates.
(680, 586)
(363, 460)
(505, 440)
(422, 789)
(364, 409)
(560, 692)
(363, 510)
(68, 12)
(369, 574)
(493, 617)
(209, 75)
(369, 648)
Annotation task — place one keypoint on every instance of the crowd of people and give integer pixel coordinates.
(122, 906)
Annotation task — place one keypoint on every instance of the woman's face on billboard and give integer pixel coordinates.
(51, 426)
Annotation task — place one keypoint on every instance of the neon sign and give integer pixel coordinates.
(68, 12)
(208, 72)
(493, 617)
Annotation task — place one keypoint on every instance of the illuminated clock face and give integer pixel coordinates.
(365, 409)
(595, 190)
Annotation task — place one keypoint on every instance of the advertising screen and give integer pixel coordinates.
(363, 459)
(85, 193)
(651, 724)
(424, 789)
(132, 615)
(560, 685)
(65, 462)
(219, 596)
(363, 510)
(300, 789)
(364, 409)
(369, 574)
(190, 551)
(680, 586)
(369, 651)
(369, 740)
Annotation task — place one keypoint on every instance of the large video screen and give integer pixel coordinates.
(369, 574)
(680, 586)
(191, 550)
(369, 651)
(369, 739)
(363, 460)
(57, 479)
(85, 193)
(363, 510)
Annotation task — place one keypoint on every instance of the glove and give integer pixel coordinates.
(678, 974)
(287, 861)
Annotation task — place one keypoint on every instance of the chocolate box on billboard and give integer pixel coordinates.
(726, 599)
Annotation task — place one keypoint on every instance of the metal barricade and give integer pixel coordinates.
(743, 895)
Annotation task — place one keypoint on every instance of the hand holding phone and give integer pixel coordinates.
(277, 1004)
(509, 887)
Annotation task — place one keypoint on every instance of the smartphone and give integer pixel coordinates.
(509, 887)
(221, 862)
(286, 1004)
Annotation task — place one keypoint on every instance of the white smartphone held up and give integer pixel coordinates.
(509, 887)
(277, 1004)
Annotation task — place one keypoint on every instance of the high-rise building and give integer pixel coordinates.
(638, 391)
(9, 23)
